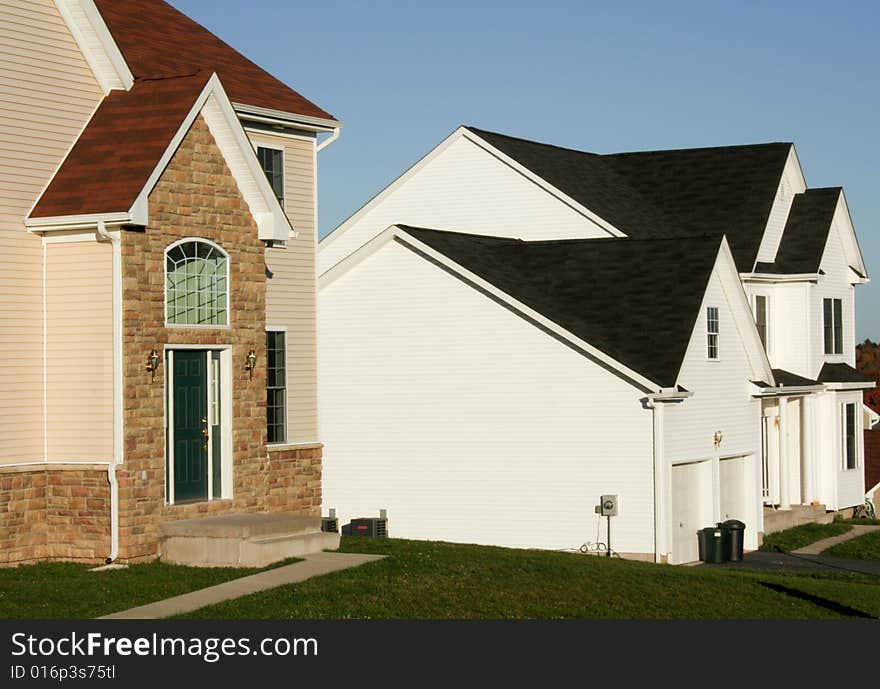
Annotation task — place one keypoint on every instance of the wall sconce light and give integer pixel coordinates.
(717, 437)
(153, 363)
(251, 363)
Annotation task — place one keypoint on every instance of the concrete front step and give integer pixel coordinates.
(780, 520)
(242, 540)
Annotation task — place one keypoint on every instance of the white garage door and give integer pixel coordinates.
(692, 498)
(734, 493)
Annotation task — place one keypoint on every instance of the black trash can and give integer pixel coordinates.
(713, 545)
(735, 533)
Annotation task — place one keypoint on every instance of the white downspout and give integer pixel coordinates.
(329, 140)
(104, 235)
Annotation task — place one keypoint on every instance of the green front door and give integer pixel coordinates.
(190, 385)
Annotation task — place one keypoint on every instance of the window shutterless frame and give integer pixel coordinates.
(276, 386)
(832, 325)
(196, 284)
(272, 161)
(712, 333)
(849, 436)
(761, 317)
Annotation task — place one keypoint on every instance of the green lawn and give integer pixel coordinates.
(865, 547)
(429, 580)
(66, 590)
(800, 536)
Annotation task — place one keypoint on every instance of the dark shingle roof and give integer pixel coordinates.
(157, 40)
(108, 165)
(842, 373)
(805, 234)
(789, 379)
(635, 300)
(723, 190)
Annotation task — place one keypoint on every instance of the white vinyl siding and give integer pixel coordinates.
(466, 189)
(722, 401)
(468, 423)
(792, 183)
(291, 291)
(79, 352)
(834, 284)
(47, 94)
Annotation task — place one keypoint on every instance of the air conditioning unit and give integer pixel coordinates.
(370, 527)
(330, 524)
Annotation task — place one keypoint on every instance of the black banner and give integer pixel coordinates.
(272, 653)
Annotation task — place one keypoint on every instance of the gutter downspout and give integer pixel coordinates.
(104, 235)
(329, 140)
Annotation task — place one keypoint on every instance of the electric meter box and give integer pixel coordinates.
(608, 505)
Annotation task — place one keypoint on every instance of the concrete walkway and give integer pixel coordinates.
(311, 566)
(819, 546)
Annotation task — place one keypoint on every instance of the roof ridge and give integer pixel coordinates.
(766, 144)
(479, 131)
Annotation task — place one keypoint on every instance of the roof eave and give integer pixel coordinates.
(254, 113)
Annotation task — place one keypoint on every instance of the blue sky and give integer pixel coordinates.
(603, 77)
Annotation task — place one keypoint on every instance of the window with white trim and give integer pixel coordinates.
(276, 386)
(761, 317)
(850, 436)
(272, 162)
(712, 332)
(833, 325)
(196, 284)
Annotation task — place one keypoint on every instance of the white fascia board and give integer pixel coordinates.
(669, 395)
(742, 314)
(850, 239)
(96, 44)
(843, 387)
(343, 227)
(288, 119)
(544, 184)
(66, 223)
(779, 277)
(395, 232)
(873, 416)
(789, 391)
(272, 223)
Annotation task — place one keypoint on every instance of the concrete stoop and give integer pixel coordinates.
(780, 520)
(242, 540)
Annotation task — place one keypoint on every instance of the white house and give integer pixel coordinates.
(673, 327)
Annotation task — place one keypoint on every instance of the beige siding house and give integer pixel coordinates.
(158, 317)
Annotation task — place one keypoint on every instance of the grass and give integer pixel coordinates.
(860, 522)
(64, 590)
(431, 580)
(865, 547)
(800, 536)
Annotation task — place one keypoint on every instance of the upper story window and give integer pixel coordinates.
(712, 331)
(272, 162)
(848, 423)
(276, 386)
(196, 283)
(761, 317)
(833, 325)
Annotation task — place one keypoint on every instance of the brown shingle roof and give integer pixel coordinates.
(157, 40)
(120, 147)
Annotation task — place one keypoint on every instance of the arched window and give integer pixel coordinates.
(196, 283)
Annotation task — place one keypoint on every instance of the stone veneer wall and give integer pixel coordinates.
(198, 197)
(55, 513)
(64, 513)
